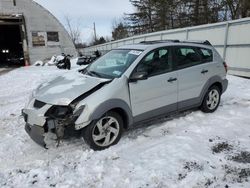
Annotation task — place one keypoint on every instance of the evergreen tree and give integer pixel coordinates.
(156, 15)
(119, 31)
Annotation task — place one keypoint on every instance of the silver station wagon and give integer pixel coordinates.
(127, 86)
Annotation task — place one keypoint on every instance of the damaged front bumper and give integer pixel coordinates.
(46, 123)
(44, 136)
(40, 134)
(36, 133)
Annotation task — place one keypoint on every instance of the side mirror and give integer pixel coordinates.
(138, 76)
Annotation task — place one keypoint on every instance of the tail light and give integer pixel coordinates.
(225, 66)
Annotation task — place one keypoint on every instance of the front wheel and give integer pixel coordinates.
(211, 100)
(104, 132)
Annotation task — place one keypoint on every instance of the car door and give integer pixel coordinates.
(193, 73)
(157, 94)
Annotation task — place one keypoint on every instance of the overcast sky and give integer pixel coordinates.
(86, 12)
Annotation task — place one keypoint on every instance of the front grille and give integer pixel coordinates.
(38, 104)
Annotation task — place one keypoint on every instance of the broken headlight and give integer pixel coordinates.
(77, 113)
(59, 112)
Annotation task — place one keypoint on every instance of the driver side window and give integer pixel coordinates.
(156, 62)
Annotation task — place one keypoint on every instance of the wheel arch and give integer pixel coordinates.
(117, 105)
(215, 80)
(218, 84)
(124, 116)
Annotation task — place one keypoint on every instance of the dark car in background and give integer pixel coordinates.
(85, 60)
(15, 61)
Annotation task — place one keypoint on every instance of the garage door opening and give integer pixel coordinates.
(11, 43)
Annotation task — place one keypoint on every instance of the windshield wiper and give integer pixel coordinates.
(94, 73)
(85, 71)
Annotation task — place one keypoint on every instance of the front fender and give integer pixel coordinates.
(102, 109)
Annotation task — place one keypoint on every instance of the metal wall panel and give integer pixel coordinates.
(179, 35)
(231, 39)
(239, 34)
(238, 57)
(137, 40)
(215, 35)
(152, 38)
(109, 47)
(114, 45)
(220, 50)
(129, 42)
(121, 43)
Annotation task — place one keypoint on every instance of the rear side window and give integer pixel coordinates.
(186, 56)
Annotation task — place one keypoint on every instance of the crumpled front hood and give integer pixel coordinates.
(64, 89)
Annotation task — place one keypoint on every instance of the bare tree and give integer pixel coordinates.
(73, 28)
(245, 9)
(238, 8)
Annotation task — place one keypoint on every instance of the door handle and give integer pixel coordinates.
(204, 71)
(172, 79)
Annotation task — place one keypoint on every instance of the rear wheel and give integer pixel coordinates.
(211, 100)
(104, 132)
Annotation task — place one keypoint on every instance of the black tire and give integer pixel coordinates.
(89, 132)
(67, 64)
(206, 106)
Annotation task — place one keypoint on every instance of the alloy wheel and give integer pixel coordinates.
(105, 131)
(213, 99)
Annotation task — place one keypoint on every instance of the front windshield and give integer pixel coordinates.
(113, 64)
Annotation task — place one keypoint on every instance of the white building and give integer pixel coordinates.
(29, 30)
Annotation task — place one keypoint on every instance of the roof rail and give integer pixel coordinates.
(204, 42)
(158, 41)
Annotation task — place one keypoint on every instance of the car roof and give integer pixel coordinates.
(160, 43)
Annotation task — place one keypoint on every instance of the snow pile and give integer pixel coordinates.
(54, 59)
(192, 149)
(38, 63)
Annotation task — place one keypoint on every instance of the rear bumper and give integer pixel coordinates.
(36, 133)
(224, 85)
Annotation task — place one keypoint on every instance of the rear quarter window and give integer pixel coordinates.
(206, 55)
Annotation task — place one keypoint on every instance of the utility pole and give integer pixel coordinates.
(95, 32)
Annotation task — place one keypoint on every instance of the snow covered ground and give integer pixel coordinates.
(192, 149)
